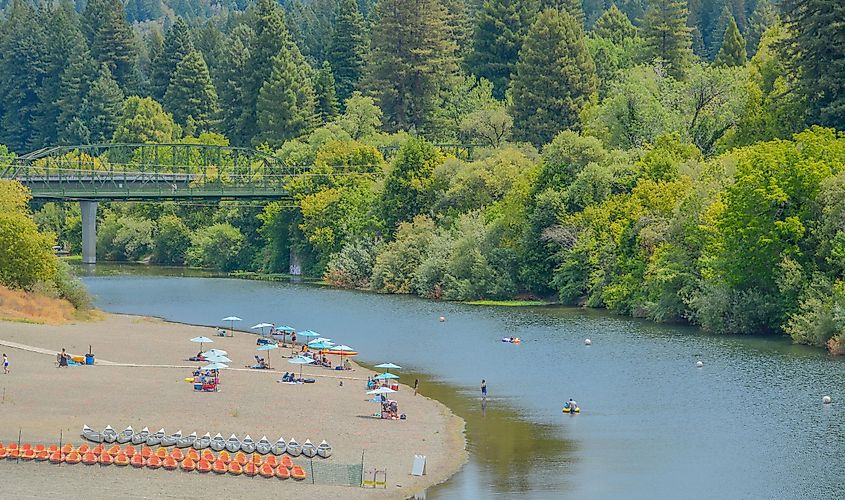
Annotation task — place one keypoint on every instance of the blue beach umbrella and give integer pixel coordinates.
(386, 376)
(308, 334)
(300, 360)
(388, 366)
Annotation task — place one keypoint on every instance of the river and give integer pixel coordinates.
(749, 424)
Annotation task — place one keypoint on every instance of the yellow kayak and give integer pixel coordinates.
(567, 409)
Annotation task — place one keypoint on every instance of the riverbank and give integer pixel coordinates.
(138, 381)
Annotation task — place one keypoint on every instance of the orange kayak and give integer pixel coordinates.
(57, 457)
(83, 448)
(161, 453)
(297, 473)
(105, 459)
(39, 448)
(130, 451)
(154, 462)
(121, 459)
(177, 454)
(225, 457)
(28, 454)
(240, 457)
(146, 452)
(67, 448)
(235, 468)
(203, 466)
(266, 470)
(138, 461)
(257, 459)
(271, 460)
(208, 455)
(169, 463)
(282, 472)
(219, 467)
(188, 464)
(97, 449)
(114, 450)
(287, 462)
(250, 469)
(73, 458)
(42, 455)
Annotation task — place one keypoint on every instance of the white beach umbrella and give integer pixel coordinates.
(201, 341)
(300, 360)
(381, 390)
(231, 320)
(215, 352)
(215, 366)
(262, 326)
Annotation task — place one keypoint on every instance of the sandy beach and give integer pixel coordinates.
(139, 380)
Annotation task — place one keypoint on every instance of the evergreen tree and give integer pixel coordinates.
(667, 37)
(101, 107)
(460, 23)
(177, 45)
(732, 52)
(500, 28)
(235, 82)
(411, 54)
(765, 16)
(75, 82)
(717, 36)
(572, 7)
(614, 25)
(346, 49)
(191, 95)
(554, 79)
(286, 102)
(112, 42)
(817, 49)
(327, 105)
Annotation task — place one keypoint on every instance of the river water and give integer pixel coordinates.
(749, 424)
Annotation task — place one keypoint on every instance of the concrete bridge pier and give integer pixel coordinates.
(89, 231)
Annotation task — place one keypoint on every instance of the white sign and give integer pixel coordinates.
(419, 465)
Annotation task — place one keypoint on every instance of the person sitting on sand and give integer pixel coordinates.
(346, 364)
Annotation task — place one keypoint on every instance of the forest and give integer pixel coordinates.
(667, 159)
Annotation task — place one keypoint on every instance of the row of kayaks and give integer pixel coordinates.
(216, 443)
(237, 464)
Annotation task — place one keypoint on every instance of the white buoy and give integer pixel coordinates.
(826, 400)
(588, 342)
(442, 319)
(699, 364)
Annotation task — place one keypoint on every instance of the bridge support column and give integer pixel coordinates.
(89, 231)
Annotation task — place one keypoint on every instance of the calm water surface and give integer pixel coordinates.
(750, 424)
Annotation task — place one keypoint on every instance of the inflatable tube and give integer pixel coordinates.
(121, 459)
(154, 462)
(105, 459)
(138, 461)
(204, 466)
(12, 446)
(566, 409)
(339, 353)
(97, 449)
(235, 468)
(266, 470)
(188, 465)
(219, 467)
(13, 454)
(250, 469)
(53, 448)
(3, 453)
(282, 472)
(297, 473)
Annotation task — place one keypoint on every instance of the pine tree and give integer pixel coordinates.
(667, 37)
(76, 79)
(614, 25)
(411, 55)
(237, 117)
(327, 105)
(817, 54)
(765, 16)
(112, 42)
(286, 102)
(732, 52)
(717, 36)
(101, 107)
(460, 23)
(554, 79)
(500, 28)
(572, 7)
(177, 45)
(346, 49)
(191, 95)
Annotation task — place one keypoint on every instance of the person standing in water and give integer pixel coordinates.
(483, 389)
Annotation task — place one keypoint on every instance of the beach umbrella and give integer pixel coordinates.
(215, 366)
(300, 360)
(262, 326)
(231, 320)
(284, 330)
(343, 349)
(386, 376)
(318, 346)
(215, 352)
(268, 348)
(201, 341)
(218, 358)
(308, 334)
(381, 390)
(388, 366)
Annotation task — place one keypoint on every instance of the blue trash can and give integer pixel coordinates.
(89, 359)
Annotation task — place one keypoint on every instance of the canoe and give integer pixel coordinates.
(263, 445)
(232, 444)
(105, 459)
(187, 441)
(219, 467)
(324, 449)
(297, 473)
(121, 459)
(308, 449)
(129, 451)
(280, 447)
(236, 469)
(57, 457)
(169, 463)
(125, 435)
(154, 462)
(73, 458)
(218, 443)
(286, 462)
(89, 458)
(250, 469)
(294, 448)
(188, 465)
(91, 435)
(266, 470)
(109, 434)
(282, 472)
(204, 466)
(171, 439)
(248, 445)
(138, 461)
(202, 442)
(140, 437)
(155, 439)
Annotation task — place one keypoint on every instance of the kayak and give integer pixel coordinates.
(511, 340)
